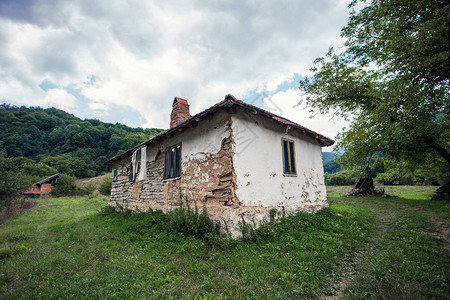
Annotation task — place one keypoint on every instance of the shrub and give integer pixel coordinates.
(89, 188)
(341, 178)
(66, 185)
(12, 181)
(105, 186)
(190, 221)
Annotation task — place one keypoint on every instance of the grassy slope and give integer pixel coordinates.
(67, 248)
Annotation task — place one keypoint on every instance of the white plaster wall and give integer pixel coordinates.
(258, 163)
(196, 142)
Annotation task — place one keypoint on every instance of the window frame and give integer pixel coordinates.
(115, 174)
(291, 163)
(172, 164)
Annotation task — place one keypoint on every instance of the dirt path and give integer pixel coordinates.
(386, 213)
(443, 232)
(386, 218)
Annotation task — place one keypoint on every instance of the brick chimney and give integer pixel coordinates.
(180, 112)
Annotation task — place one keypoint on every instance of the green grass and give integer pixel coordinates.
(71, 248)
(402, 261)
(402, 191)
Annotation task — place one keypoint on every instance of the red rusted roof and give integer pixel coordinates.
(228, 102)
(46, 179)
(33, 191)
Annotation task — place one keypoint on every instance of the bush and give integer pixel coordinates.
(13, 182)
(341, 178)
(105, 186)
(89, 188)
(66, 185)
(190, 221)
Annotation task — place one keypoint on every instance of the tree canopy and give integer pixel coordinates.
(392, 80)
(46, 141)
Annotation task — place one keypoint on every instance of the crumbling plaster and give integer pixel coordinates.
(206, 170)
(231, 164)
(258, 164)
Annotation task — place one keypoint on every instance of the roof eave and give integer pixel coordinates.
(225, 104)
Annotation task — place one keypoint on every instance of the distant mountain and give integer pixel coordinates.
(330, 165)
(63, 141)
(328, 156)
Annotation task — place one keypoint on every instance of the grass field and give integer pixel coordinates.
(360, 248)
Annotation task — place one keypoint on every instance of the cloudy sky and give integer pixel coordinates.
(125, 61)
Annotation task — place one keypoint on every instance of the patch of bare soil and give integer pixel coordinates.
(96, 180)
(443, 232)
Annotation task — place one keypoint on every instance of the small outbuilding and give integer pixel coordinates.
(43, 188)
(237, 160)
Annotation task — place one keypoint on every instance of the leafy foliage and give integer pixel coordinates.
(12, 182)
(89, 188)
(393, 79)
(105, 186)
(66, 185)
(60, 141)
(332, 167)
(341, 179)
(190, 221)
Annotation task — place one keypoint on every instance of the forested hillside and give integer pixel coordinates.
(62, 141)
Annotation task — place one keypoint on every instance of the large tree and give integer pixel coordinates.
(392, 80)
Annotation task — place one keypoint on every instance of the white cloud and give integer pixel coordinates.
(98, 106)
(59, 98)
(144, 53)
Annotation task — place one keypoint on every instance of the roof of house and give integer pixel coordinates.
(33, 191)
(227, 103)
(47, 179)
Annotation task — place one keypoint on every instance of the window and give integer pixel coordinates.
(131, 178)
(172, 162)
(288, 157)
(115, 175)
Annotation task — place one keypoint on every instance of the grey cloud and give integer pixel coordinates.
(132, 24)
(223, 45)
(39, 12)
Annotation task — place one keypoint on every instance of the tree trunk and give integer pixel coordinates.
(442, 193)
(364, 186)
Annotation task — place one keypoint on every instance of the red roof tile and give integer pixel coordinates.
(33, 191)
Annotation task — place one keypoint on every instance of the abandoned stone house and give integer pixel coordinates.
(235, 159)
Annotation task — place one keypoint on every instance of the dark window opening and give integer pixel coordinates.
(131, 178)
(288, 157)
(115, 175)
(172, 163)
(138, 169)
